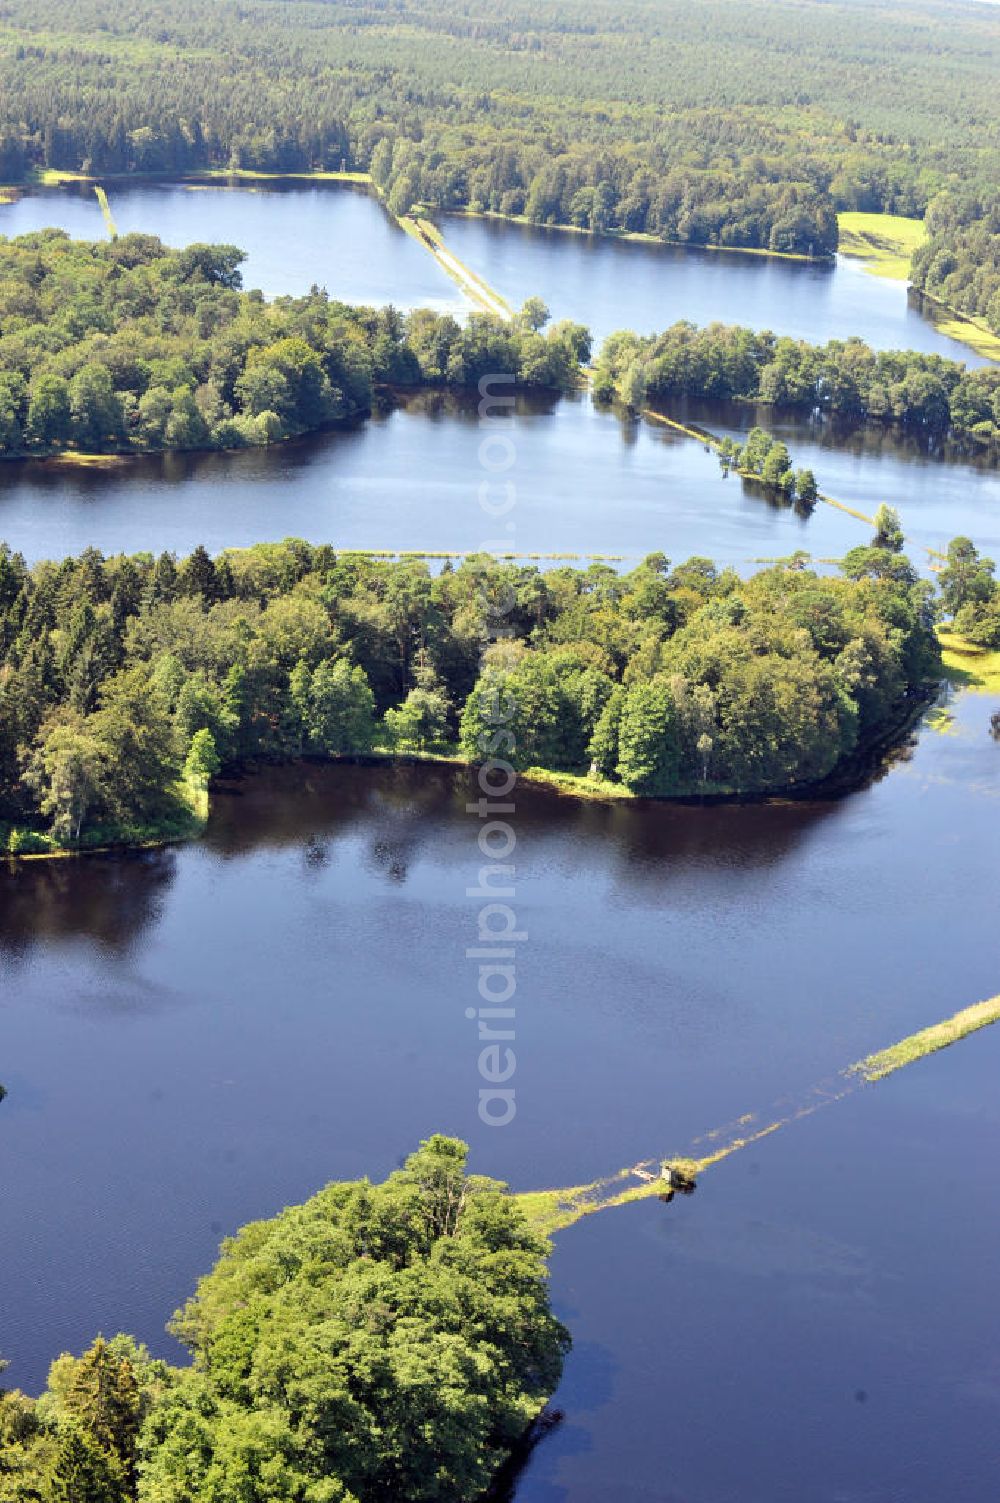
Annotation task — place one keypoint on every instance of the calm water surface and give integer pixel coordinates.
(195, 1037)
(616, 284)
(410, 479)
(585, 482)
(338, 238)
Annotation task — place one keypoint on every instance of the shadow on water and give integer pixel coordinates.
(832, 433)
(111, 900)
(399, 812)
(254, 465)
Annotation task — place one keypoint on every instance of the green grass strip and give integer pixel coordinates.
(928, 1041)
(102, 199)
(551, 1211)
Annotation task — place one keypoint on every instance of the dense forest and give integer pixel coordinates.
(127, 683)
(959, 263)
(845, 377)
(122, 344)
(380, 1342)
(737, 122)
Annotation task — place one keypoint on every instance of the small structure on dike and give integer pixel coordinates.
(677, 1177)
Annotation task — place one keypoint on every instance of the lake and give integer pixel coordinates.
(192, 1038)
(336, 236)
(618, 284)
(196, 1037)
(585, 482)
(341, 238)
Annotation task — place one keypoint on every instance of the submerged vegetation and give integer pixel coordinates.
(125, 682)
(381, 1342)
(970, 667)
(550, 1211)
(939, 1036)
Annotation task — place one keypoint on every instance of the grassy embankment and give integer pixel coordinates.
(967, 667)
(885, 1062)
(886, 242)
(961, 326)
(712, 441)
(551, 1211)
(102, 199)
(427, 235)
(54, 177)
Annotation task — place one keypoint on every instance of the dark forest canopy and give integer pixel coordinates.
(927, 393)
(740, 122)
(381, 1342)
(123, 344)
(123, 680)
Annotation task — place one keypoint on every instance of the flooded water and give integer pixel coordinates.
(585, 482)
(617, 284)
(337, 237)
(341, 238)
(195, 1037)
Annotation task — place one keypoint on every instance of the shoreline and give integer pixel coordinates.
(950, 322)
(884, 244)
(115, 458)
(55, 177)
(637, 237)
(961, 326)
(863, 764)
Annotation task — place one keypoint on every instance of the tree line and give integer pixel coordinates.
(766, 459)
(744, 124)
(959, 262)
(125, 345)
(124, 681)
(844, 377)
(380, 1342)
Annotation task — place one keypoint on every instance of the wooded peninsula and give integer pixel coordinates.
(291, 1396)
(128, 683)
(127, 346)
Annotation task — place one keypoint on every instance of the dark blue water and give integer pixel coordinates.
(194, 1038)
(818, 1322)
